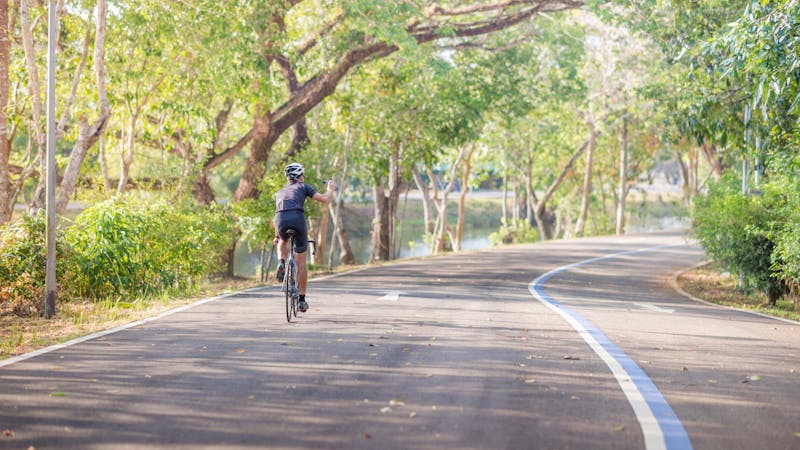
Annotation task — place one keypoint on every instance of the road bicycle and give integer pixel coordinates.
(289, 286)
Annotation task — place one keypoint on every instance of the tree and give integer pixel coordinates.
(6, 195)
(355, 32)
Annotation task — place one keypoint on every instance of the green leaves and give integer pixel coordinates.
(755, 236)
(129, 248)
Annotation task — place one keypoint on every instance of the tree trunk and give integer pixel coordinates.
(545, 227)
(714, 160)
(34, 91)
(380, 225)
(202, 193)
(623, 179)
(322, 237)
(465, 173)
(101, 150)
(587, 181)
(443, 228)
(685, 182)
(88, 135)
(530, 204)
(386, 201)
(426, 200)
(346, 256)
(6, 190)
(504, 206)
(264, 136)
(127, 159)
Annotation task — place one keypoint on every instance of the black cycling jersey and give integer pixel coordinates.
(292, 197)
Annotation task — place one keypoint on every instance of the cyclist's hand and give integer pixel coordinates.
(331, 185)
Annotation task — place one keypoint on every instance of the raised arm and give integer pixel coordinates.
(328, 195)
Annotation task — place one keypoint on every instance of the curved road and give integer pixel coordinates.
(576, 344)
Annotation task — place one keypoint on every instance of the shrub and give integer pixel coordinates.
(126, 249)
(23, 258)
(786, 261)
(737, 231)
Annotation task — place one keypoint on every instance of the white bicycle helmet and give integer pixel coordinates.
(293, 171)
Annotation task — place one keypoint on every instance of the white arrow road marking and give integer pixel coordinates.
(391, 296)
(654, 308)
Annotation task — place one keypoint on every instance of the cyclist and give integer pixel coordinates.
(289, 214)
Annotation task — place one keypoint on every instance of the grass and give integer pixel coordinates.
(74, 319)
(713, 286)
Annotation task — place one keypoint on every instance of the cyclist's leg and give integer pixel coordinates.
(300, 247)
(282, 223)
(302, 273)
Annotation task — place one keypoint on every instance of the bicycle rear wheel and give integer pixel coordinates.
(295, 293)
(287, 289)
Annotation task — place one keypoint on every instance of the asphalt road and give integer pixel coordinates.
(460, 352)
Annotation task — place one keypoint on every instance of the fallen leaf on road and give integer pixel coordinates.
(412, 414)
(571, 358)
(57, 394)
(241, 350)
(394, 402)
(289, 344)
(619, 428)
(755, 377)
(685, 369)
(712, 381)
(8, 433)
(530, 380)
(367, 436)
(386, 409)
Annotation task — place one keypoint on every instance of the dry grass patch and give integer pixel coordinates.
(722, 288)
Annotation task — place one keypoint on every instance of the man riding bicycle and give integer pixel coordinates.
(289, 214)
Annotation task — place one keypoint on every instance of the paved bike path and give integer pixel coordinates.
(449, 352)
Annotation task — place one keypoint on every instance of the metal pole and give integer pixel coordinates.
(745, 175)
(757, 168)
(50, 202)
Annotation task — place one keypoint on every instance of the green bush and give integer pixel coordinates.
(786, 262)
(126, 249)
(737, 231)
(23, 258)
(523, 232)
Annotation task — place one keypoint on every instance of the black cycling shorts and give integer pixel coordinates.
(295, 220)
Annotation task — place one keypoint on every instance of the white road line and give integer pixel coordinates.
(660, 426)
(100, 334)
(391, 296)
(655, 308)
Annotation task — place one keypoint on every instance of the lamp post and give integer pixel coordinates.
(50, 201)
